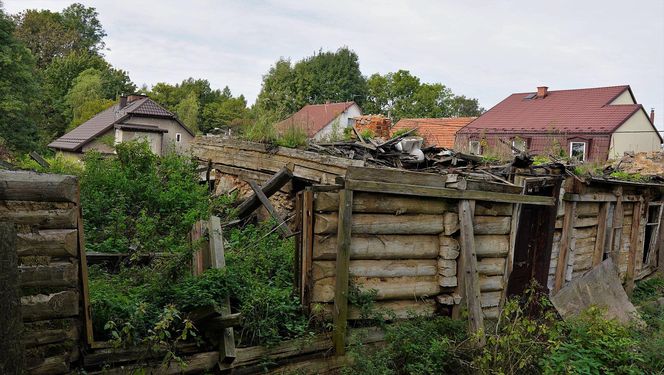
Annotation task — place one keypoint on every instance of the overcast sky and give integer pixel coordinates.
(483, 49)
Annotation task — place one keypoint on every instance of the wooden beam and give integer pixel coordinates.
(635, 235)
(227, 352)
(83, 271)
(282, 226)
(307, 245)
(471, 275)
(514, 228)
(12, 360)
(598, 197)
(273, 185)
(38, 158)
(31, 186)
(617, 228)
(441, 192)
(340, 317)
(600, 237)
(565, 243)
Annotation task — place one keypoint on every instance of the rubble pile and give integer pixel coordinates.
(646, 164)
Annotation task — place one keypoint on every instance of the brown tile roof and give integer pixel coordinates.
(569, 111)
(435, 131)
(106, 119)
(313, 117)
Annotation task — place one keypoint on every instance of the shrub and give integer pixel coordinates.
(293, 137)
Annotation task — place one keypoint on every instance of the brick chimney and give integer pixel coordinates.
(652, 115)
(123, 101)
(542, 92)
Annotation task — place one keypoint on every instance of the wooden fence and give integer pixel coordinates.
(45, 216)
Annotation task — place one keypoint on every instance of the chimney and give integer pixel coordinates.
(123, 101)
(542, 91)
(652, 115)
(134, 97)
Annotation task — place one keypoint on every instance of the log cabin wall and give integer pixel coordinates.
(606, 219)
(46, 213)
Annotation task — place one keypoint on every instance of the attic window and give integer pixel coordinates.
(178, 137)
(577, 150)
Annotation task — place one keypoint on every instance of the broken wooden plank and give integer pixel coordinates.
(273, 185)
(39, 159)
(565, 243)
(283, 228)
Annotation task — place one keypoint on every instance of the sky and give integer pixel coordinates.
(481, 49)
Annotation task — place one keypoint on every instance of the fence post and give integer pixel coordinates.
(343, 260)
(470, 272)
(12, 360)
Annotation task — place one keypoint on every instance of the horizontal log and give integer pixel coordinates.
(491, 266)
(384, 204)
(50, 332)
(491, 224)
(439, 192)
(381, 224)
(585, 209)
(585, 222)
(391, 175)
(391, 288)
(388, 310)
(483, 208)
(31, 186)
(377, 268)
(48, 242)
(491, 283)
(491, 246)
(59, 364)
(44, 215)
(586, 232)
(219, 323)
(379, 247)
(55, 274)
(598, 197)
(44, 307)
(490, 299)
(491, 313)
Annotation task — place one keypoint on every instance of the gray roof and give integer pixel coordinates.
(106, 119)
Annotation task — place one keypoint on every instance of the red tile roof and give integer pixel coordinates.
(435, 131)
(569, 111)
(313, 117)
(106, 119)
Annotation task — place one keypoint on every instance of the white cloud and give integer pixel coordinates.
(478, 48)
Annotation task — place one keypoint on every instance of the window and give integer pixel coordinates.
(654, 216)
(178, 137)
(475, 147)
(577, 150)
(519, 144)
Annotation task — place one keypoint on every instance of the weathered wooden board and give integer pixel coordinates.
(31, 186)
(484, 208)
(400, 309)
(55, 274)
(377, 268)
(379, 247)
(490, 299)
(43, 307)
(48, 242)
(386, 288)
(587, 209)
(382, 224)
(44, 215)
(384, 204)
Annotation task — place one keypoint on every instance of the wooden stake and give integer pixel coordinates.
(307, 245)
(343, 261)
(12, 360)
(83, 270)
(471, 275)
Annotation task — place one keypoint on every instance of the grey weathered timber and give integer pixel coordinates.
(12, 360)
(617, 227)
(600, 237)
(471, 275)
(565, 243)
(598, 197)
(340, 317)
(49, 306)
(48, 242)
(633, 245)
(395, 175)
(54, 274)
(43, 215)
(385, 203)
(283, 228)
(441, 192)
(382, 246)
(273, 185)
(227, 352)
(31, 186)
(382, 224)
(39, 159)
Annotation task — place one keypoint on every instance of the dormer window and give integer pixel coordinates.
(577, 150)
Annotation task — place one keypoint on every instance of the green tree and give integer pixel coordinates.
(83, 20)
(325, 76)
(224, 113)
(18, 90)
(187, 111)
(86, 97)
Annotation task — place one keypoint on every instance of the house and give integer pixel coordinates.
(321, 121)
(593, 124)
(435, 131)
(134, 117)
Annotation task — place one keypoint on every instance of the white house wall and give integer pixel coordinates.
(340, 122)
(635, 135)
(624, 98)
(173, 128)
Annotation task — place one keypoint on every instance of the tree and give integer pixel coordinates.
(224, 113)
(325, 76)
(86, 97)
(18, 90)
(50, 35)
(187, 111)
